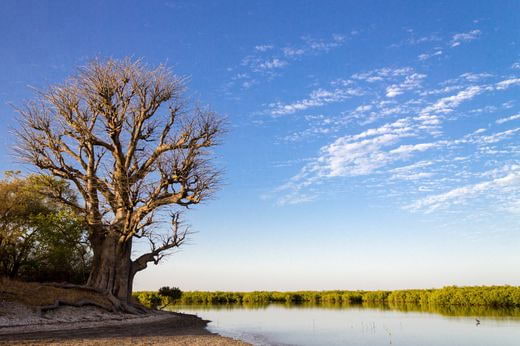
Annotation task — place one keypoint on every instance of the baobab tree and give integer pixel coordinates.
(125, 137)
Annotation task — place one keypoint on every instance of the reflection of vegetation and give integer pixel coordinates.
(457, 310)
(445, 310)
(207, 307)
(451, 301)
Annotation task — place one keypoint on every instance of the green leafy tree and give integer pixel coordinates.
(169, 295)
(172, 293)
(63, 252)
(40, 239)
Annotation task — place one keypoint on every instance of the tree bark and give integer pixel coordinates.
(112, 266)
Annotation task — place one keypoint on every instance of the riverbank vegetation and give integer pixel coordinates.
(488, 296)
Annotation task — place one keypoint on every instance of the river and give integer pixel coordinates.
(406, 325)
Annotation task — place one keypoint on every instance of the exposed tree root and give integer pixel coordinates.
(67, 285)
(78, 304)
(116, 305)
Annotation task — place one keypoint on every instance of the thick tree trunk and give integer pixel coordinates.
(112, 267)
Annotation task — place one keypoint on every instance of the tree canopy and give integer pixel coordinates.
(40, 239)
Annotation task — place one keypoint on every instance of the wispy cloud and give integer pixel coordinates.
(447, 104)
(323, 45)
(262, 65)
(426, 56)
(403, 80)
(382, 74)
(313, 45)
(475, 77)
(267, 61)
(507, 83)
(360, 154)
(511, 118)
(292, 52)
(316, 98)
(375, 151)
(499, 136)
(411, 172)
(317, 126)
(272, 64)
(458, 39)
(461, 194)
(264, 48)
(412, 81)
(415, 40)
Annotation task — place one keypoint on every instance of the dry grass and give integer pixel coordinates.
(37, 295)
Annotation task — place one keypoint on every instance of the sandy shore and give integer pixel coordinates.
(92, 326)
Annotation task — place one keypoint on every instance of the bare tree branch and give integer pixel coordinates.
(158, 251)
(123, 135)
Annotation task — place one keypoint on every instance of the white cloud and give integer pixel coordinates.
(363, 108)
(363, 153)
(344, 158)
(240, 76)
(272, 64)
(401, 126)
(412, 176)
(398, 86)
(410, 172)
(424, 39)
(421, 131)
(371, 150)
(412, 167)
(516, 66)
(316, 98)
(411, 82)
(267, 60)
(444, 90)
(323, 45)
(447, 104)
(393, 91)
(511, 118)
(507, 83)
(474, 77)
(416, 40)
(457, 39)
(406, 150)
(291, 52)
(248, 83)
(426, 56)
(264, 48)
(382, 74)
(496, 137)
(461, 194)
(318, 125)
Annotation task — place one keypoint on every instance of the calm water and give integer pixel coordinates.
(361, 325)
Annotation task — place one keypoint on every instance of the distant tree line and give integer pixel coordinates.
(488, 296)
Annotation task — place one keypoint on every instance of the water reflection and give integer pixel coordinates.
(363, 324)
(444, 310)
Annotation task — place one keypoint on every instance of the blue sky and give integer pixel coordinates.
(371, 144)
